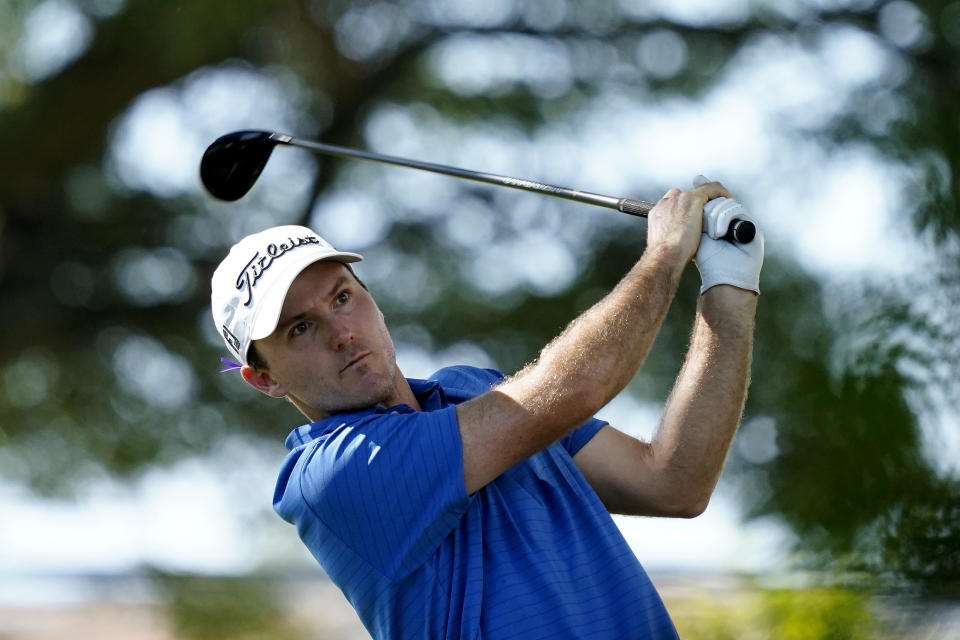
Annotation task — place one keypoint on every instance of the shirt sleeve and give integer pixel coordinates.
(389, 486)
(576, 439)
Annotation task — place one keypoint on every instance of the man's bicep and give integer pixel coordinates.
(623, 472)
(491, 436)
(504, 426)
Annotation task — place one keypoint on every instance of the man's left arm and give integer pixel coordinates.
(675, 474)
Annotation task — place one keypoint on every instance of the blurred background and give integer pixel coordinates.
(136, 480)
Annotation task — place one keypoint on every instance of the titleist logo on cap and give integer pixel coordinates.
(256, 266)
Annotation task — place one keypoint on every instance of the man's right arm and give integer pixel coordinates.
(593, 359)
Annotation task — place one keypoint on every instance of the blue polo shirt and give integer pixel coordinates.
(378, 497)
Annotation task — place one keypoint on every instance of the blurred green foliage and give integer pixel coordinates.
(208, 608)
(819, 613)
(786, 614)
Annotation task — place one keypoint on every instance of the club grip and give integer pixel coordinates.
(740, 231)
(634, 207)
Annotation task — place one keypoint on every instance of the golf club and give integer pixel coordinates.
(233, 162)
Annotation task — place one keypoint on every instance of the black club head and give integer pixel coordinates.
(231, 165)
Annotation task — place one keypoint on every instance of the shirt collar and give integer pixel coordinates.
(429, 394)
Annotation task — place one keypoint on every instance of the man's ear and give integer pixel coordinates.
(262, 381)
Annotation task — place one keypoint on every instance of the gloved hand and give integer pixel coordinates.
(721, 261)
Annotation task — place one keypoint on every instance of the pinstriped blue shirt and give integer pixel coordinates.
(378, 497)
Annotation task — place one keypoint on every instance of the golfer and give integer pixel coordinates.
(473, 505)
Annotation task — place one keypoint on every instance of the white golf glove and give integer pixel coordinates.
(721, 261)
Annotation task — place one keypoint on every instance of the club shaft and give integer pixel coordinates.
(623, 205)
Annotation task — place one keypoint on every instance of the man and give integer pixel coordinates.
(475, 506)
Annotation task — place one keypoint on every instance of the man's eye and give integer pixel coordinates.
(342, 297)
(298, 329)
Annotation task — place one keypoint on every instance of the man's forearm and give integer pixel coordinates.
(704, 410)
(598, 354)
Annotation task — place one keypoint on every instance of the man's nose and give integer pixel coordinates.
(340, 335)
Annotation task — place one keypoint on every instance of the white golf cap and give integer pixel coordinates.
(250, 284)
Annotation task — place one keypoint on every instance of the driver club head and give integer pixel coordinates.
(232, 163)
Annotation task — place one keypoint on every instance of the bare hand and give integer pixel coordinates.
(676, 222)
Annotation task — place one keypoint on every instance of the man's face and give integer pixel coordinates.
(331, 350)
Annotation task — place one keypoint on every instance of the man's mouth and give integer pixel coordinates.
(356, 359)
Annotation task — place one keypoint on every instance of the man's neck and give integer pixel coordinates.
(401, 394)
